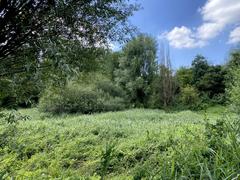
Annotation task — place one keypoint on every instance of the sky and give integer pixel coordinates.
(191, 27)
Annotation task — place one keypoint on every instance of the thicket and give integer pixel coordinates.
(83, 96)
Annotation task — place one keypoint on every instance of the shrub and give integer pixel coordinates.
(110, 103)
(189, 97)
(111, 89)
(75, 98)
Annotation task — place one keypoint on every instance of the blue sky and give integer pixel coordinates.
(191, 27)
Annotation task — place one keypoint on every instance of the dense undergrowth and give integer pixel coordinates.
(84, 97)
(132, 144)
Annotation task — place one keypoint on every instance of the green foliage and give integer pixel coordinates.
(234, 89)
(232, 64)
(184, 77)
(109, 63)
(12, 117)
(233, 80)
(210, 81)
(107, 156)
(148, 144)
(222, 157)
(234, 59)
(21, 90)
(137, 67)
(82, 98)
(7, 93)
(163, 89)
(189, 97)
(213, 81)
(199, 67)
(100, 21)
(110, 88)
(71, 99)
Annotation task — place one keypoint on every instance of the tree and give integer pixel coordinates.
(109, 63)
(209, 80)
(184, 77)
(62, 62)
(137, 68)
(232, 64)
(32, 22)
(234, 60)
(200, 67)
(213, 81)
(166, 77)
(233, 80)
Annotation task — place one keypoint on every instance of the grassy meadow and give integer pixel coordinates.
(119, 90)
(131, 144)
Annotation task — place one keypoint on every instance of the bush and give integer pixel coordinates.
(110, 103)
(111, 89)
(79, 99)
(189, 97)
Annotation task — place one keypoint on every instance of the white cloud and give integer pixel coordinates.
(234, 36)
(183, 37)
(208, 31)
(221, 11)
(216, 15)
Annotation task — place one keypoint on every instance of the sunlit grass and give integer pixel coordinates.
(73, 145)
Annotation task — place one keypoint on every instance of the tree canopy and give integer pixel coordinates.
(32, 22)
(137, 67)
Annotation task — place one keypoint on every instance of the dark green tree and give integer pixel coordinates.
(199, 67)
(37, 22)
(213, 82)
(209, 80)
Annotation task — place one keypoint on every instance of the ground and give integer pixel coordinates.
(118, 145)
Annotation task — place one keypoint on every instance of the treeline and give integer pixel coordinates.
(139, 75)
(144, 72)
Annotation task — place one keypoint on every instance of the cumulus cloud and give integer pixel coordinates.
(183, 37)
(216, 16)
(234, 36)
(208, 31)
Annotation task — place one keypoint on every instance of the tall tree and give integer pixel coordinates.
(166, 76)
(213, 81)
(137, 68)
(200, 67)
(90, 22)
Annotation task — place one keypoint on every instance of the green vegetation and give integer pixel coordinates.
(122, 145)
(83, 98)
(71, 108)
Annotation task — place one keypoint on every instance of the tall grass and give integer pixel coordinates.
(133, 144)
